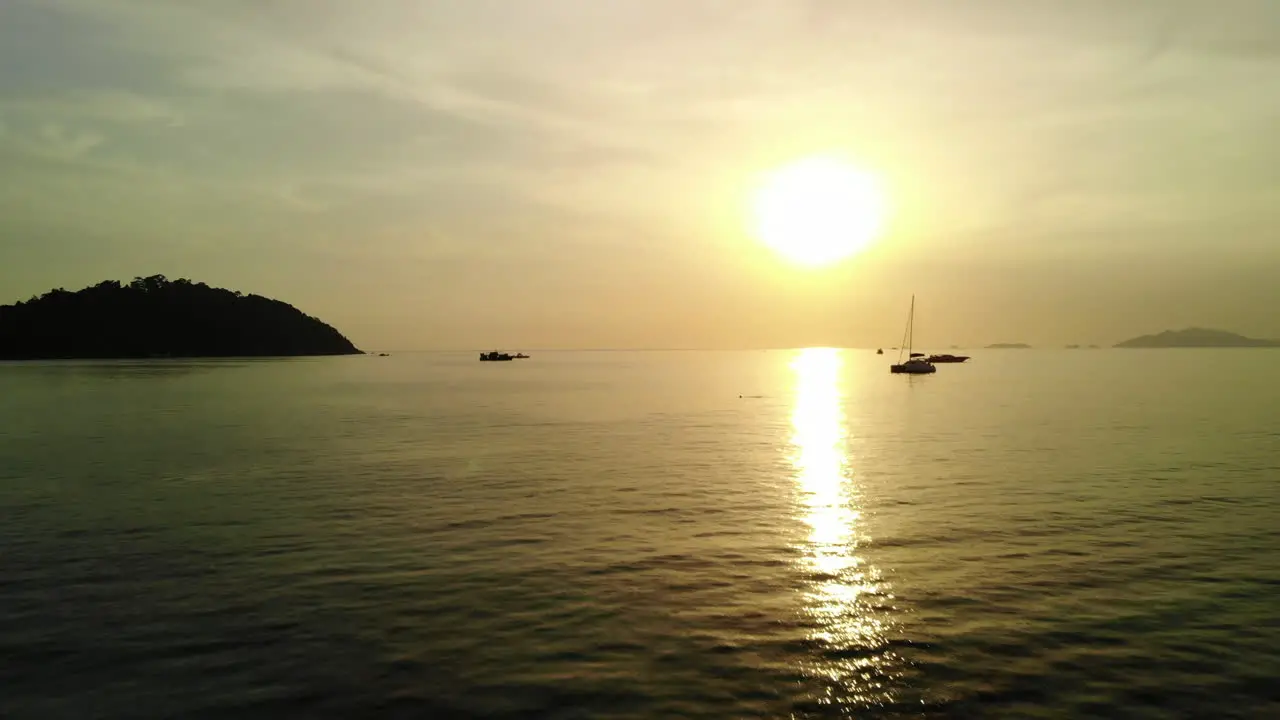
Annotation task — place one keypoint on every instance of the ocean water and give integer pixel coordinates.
(774, 534)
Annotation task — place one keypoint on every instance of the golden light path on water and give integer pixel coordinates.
(846, 597)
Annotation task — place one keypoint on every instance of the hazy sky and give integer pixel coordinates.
(573, 173)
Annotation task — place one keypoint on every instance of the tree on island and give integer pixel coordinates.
(156, 317)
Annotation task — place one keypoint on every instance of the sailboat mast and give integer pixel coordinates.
(911, 328)
(906, 332)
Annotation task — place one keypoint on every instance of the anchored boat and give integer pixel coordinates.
(916, 364)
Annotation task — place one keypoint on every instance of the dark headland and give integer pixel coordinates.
(1196, 338)
(157, 317)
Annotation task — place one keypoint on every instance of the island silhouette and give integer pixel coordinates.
(1196, 338)
(157, 317)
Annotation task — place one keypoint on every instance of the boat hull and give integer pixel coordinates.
(912, 369)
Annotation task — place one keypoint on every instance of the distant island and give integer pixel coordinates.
(1009, 346)
(1196, 338)
(156, 317)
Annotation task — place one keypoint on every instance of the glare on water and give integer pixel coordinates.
(845, 592)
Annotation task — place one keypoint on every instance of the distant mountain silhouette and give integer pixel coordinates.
(1009, 346)
(1195, 337)
(156, 317)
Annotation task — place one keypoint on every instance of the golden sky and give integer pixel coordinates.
(578, 173)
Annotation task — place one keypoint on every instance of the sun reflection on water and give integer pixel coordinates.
(845, 598)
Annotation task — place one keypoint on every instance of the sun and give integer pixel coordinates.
(818, 211)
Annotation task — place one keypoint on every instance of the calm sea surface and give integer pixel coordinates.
(643, 535)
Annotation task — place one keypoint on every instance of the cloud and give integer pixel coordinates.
(98, 104)
(65, 144)
(121, 106)
(230, 47)
(51, 141)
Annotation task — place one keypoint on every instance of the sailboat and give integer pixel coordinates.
(915, 364)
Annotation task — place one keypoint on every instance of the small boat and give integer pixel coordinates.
(496, 356)
(880, 351)
(915, 364)
(947, 358)
(521, 356)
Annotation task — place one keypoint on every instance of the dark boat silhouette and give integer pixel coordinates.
(496, 356)
(946, 358)
(915, 364)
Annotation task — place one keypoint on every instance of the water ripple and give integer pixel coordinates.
(596, 535)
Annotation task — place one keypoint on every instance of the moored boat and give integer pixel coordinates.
(916, 364)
